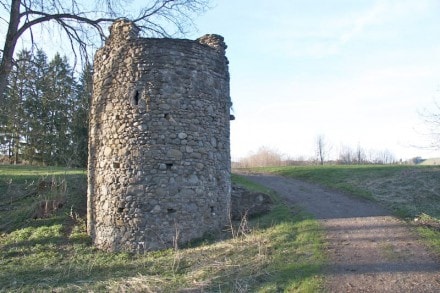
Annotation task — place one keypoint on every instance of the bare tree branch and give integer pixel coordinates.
(431, 118)
(5, 5)
(4, 19)
(156, 17)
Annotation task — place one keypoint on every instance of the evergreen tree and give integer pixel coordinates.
(37, 108)
(13, 122)
(80, 122)
(61, 103)
(45, 116)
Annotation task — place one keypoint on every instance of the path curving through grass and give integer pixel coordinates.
(369, 250)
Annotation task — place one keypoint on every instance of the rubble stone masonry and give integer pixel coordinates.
(159, 153)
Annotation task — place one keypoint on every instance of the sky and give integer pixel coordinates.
(358, 73)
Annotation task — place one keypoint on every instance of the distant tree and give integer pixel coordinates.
(346, 155)
(82, 23)
(322, 149)
(432, 121)
(264, 157)
(385, 157)
(381, 157)
(360, 155)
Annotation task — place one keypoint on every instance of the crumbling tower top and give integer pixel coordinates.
(123, 29)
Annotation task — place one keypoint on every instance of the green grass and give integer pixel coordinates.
(280, 251)
(23, 188)
(343, 178)
(410, 192)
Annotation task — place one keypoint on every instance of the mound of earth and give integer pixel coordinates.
(248, 203)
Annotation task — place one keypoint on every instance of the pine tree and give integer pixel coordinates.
(45, 116)
(37, 109)
(80, 122)
(61, 102)
(13, 122)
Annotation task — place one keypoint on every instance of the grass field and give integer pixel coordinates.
(410, 192)
(44, 246)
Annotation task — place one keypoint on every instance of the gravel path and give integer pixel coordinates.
(368, 249)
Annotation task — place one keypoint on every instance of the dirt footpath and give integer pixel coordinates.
(368, 249)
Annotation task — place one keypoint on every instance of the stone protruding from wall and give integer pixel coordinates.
(159, 149)
(122, 30)
(214, 41)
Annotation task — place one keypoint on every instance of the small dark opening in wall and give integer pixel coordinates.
(120, 210)
(135, 98)
(169, 165)
(116, 165)
(171, 211)
(167, 116)
(212, 209)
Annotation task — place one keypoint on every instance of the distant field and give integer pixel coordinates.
(44, 246)
(432, 161)
(409, 191)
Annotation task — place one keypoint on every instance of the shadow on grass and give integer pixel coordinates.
(45, 261)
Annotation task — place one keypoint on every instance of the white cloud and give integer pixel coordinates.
(357, 25)
(328, 34)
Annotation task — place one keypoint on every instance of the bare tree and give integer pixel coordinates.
(360, 155)
(346, 155)
(381, 157)
(386, 157)
(264, 157)
(432, 120)
(322, 149)
(81, 24)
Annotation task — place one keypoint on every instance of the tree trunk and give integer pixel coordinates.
(9, 47)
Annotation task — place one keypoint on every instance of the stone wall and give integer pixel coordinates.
(159, 154)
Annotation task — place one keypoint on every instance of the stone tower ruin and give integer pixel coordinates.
(159, 154)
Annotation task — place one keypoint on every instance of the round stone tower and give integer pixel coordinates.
(159, 153)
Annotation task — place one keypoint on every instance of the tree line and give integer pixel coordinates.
(268, 157)
(44, 108)
(44, 116)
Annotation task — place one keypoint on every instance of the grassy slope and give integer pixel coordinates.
(23, 188)
(408, 191)
(281, 251)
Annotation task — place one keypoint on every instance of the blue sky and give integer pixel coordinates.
(357, 72)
